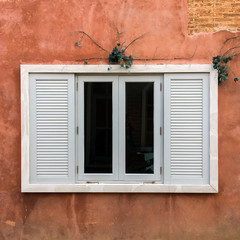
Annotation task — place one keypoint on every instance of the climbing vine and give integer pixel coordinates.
(119, 55)
(221, 61)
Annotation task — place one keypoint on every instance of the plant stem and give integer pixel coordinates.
(134, 40)
(228, 39)
(93, 41)
(92, 58)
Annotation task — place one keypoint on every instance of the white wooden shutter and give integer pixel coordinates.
(52, 147)
(186, 128)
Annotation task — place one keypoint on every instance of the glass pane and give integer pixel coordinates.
(98, 127)
(139, 128)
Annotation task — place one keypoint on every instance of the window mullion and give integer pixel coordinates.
(121, 129)
(115, 133)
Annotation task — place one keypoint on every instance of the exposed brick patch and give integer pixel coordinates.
(213, 15)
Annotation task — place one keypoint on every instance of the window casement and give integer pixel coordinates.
(149, 129)
(119, 125)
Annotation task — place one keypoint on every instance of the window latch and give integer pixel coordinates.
(152, 182)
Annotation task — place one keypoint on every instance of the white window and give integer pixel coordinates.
(119, 119)
(150, 129)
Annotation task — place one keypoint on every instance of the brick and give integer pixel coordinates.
(212, 15)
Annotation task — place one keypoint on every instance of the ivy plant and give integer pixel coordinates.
(221, 61)
(118, 56)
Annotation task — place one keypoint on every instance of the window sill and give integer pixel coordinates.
(118, 188)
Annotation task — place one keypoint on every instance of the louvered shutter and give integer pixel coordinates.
(186, 128)
(52, 147)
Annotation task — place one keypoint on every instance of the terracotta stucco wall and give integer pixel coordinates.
(38, 32)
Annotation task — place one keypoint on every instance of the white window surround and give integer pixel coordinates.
(103, 187)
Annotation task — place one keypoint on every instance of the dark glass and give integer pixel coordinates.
(98, 127)
(139, 128)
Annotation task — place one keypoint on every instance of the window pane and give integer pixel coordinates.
(98, 127)
(139, 128)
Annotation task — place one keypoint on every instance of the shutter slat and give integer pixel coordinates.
(47, 162)
(49, 159)
(187, 157)
(182, 162)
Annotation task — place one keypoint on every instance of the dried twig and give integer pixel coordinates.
(118, 33)
(134, 40)
(93, 41)
(155, 52)
(166, 59)
(230, 49)
(92, 58)
(122, 44)
(234, 54)
(232, 72)
(228, 39)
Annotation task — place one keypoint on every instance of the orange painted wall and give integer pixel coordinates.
(38, 32)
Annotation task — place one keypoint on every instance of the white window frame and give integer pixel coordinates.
(81, 176)
(26, 186)
(157, 119)
(119, 138)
